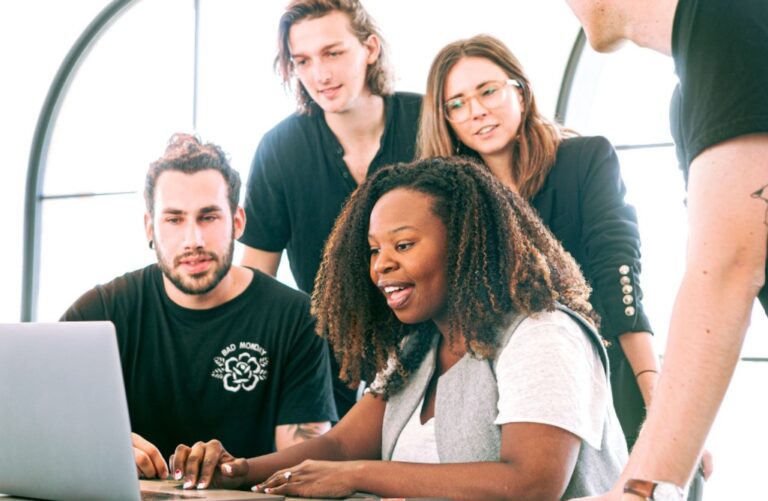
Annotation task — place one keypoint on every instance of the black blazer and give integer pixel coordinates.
(582, 203)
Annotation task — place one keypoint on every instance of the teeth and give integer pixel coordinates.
(390, 289)
(486, 129)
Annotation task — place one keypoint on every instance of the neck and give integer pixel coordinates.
(364, 120)
(649, 24)
(500, 165)
(232, 285)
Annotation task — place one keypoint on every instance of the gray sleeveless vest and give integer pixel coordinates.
(466, 407)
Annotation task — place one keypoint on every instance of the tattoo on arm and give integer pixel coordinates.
(305, 431)
(764, 197)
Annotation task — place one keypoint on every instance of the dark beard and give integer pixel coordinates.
(224, 263)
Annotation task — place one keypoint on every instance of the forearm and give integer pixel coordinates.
(638, 348)
(486, 480)
(288, 435)
(706, 334)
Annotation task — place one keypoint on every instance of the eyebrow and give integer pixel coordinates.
(324, 48)
(396, 230)
(205, 210)
(460, 94)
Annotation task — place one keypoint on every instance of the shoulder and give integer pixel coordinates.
(103, 300)
(586, 157)
(406, 104)
(277, 293)
(580, 146)
(286, 133)
(544, 331)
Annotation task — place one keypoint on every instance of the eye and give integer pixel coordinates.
(373, 251)
(454, 104)
(403, 246)
(299, 62)
(208, 218)
(489, 90)
(173, 219)
(335, 53)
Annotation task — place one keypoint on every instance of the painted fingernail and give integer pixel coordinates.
(266, 491)
(177, 475)
(187, 484)
(227, 468)
(201, 485)
(255, 488)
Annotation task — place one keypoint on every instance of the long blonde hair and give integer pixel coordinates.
(538, 138)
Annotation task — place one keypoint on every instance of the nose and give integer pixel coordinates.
(476, 108)
(383, 263)
(321, 72)
(193, 236)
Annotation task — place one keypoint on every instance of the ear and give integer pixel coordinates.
(238, 222)
(149, 229)
(373, 47)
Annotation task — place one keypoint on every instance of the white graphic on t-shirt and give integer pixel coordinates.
(241, 371)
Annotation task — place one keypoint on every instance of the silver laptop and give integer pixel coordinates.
(64, 426)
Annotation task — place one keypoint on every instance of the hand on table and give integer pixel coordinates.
(149, 461)
(208, 464)
(311, 478)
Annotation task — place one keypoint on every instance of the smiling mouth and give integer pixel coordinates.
(397, 295)
(330, 91)
(485, 130)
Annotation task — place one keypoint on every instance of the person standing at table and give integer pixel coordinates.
(349, 122)
(719, 120)
(209, 350)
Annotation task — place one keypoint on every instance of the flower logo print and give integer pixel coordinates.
(241, 372)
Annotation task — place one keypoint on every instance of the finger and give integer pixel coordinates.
(144, 464)
(192, 465)
(707, 465)
(234, 468)
(159, 468)
(179, 461)
(212, 452)
(276, 479)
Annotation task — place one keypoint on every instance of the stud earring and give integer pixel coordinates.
(151, 244)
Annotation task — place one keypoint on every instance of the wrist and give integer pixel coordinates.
(356, 474)
(654, 490)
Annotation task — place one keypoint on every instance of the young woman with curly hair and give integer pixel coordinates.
(490, 378)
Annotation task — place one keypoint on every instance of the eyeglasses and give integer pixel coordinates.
(490, 95)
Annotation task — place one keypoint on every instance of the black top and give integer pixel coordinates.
(582, 203)
(299, 182)
(720, 49)
(232, 372)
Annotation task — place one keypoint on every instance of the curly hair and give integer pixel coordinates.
(500, 260)
(188, 154)
(379, 76)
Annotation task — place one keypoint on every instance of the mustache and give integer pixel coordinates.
(195, 255)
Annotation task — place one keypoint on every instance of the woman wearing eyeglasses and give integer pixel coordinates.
(480, 103)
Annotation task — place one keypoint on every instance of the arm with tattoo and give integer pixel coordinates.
(287, 435)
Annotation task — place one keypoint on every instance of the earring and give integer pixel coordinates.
(151, 244)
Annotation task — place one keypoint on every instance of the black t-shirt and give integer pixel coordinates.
(720, 49)
(232, 372)
(299, 182)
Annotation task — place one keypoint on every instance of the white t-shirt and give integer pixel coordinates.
(549, 373)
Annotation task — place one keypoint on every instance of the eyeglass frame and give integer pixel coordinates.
(507, 83)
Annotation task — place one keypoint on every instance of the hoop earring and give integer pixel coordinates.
(151, 244)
